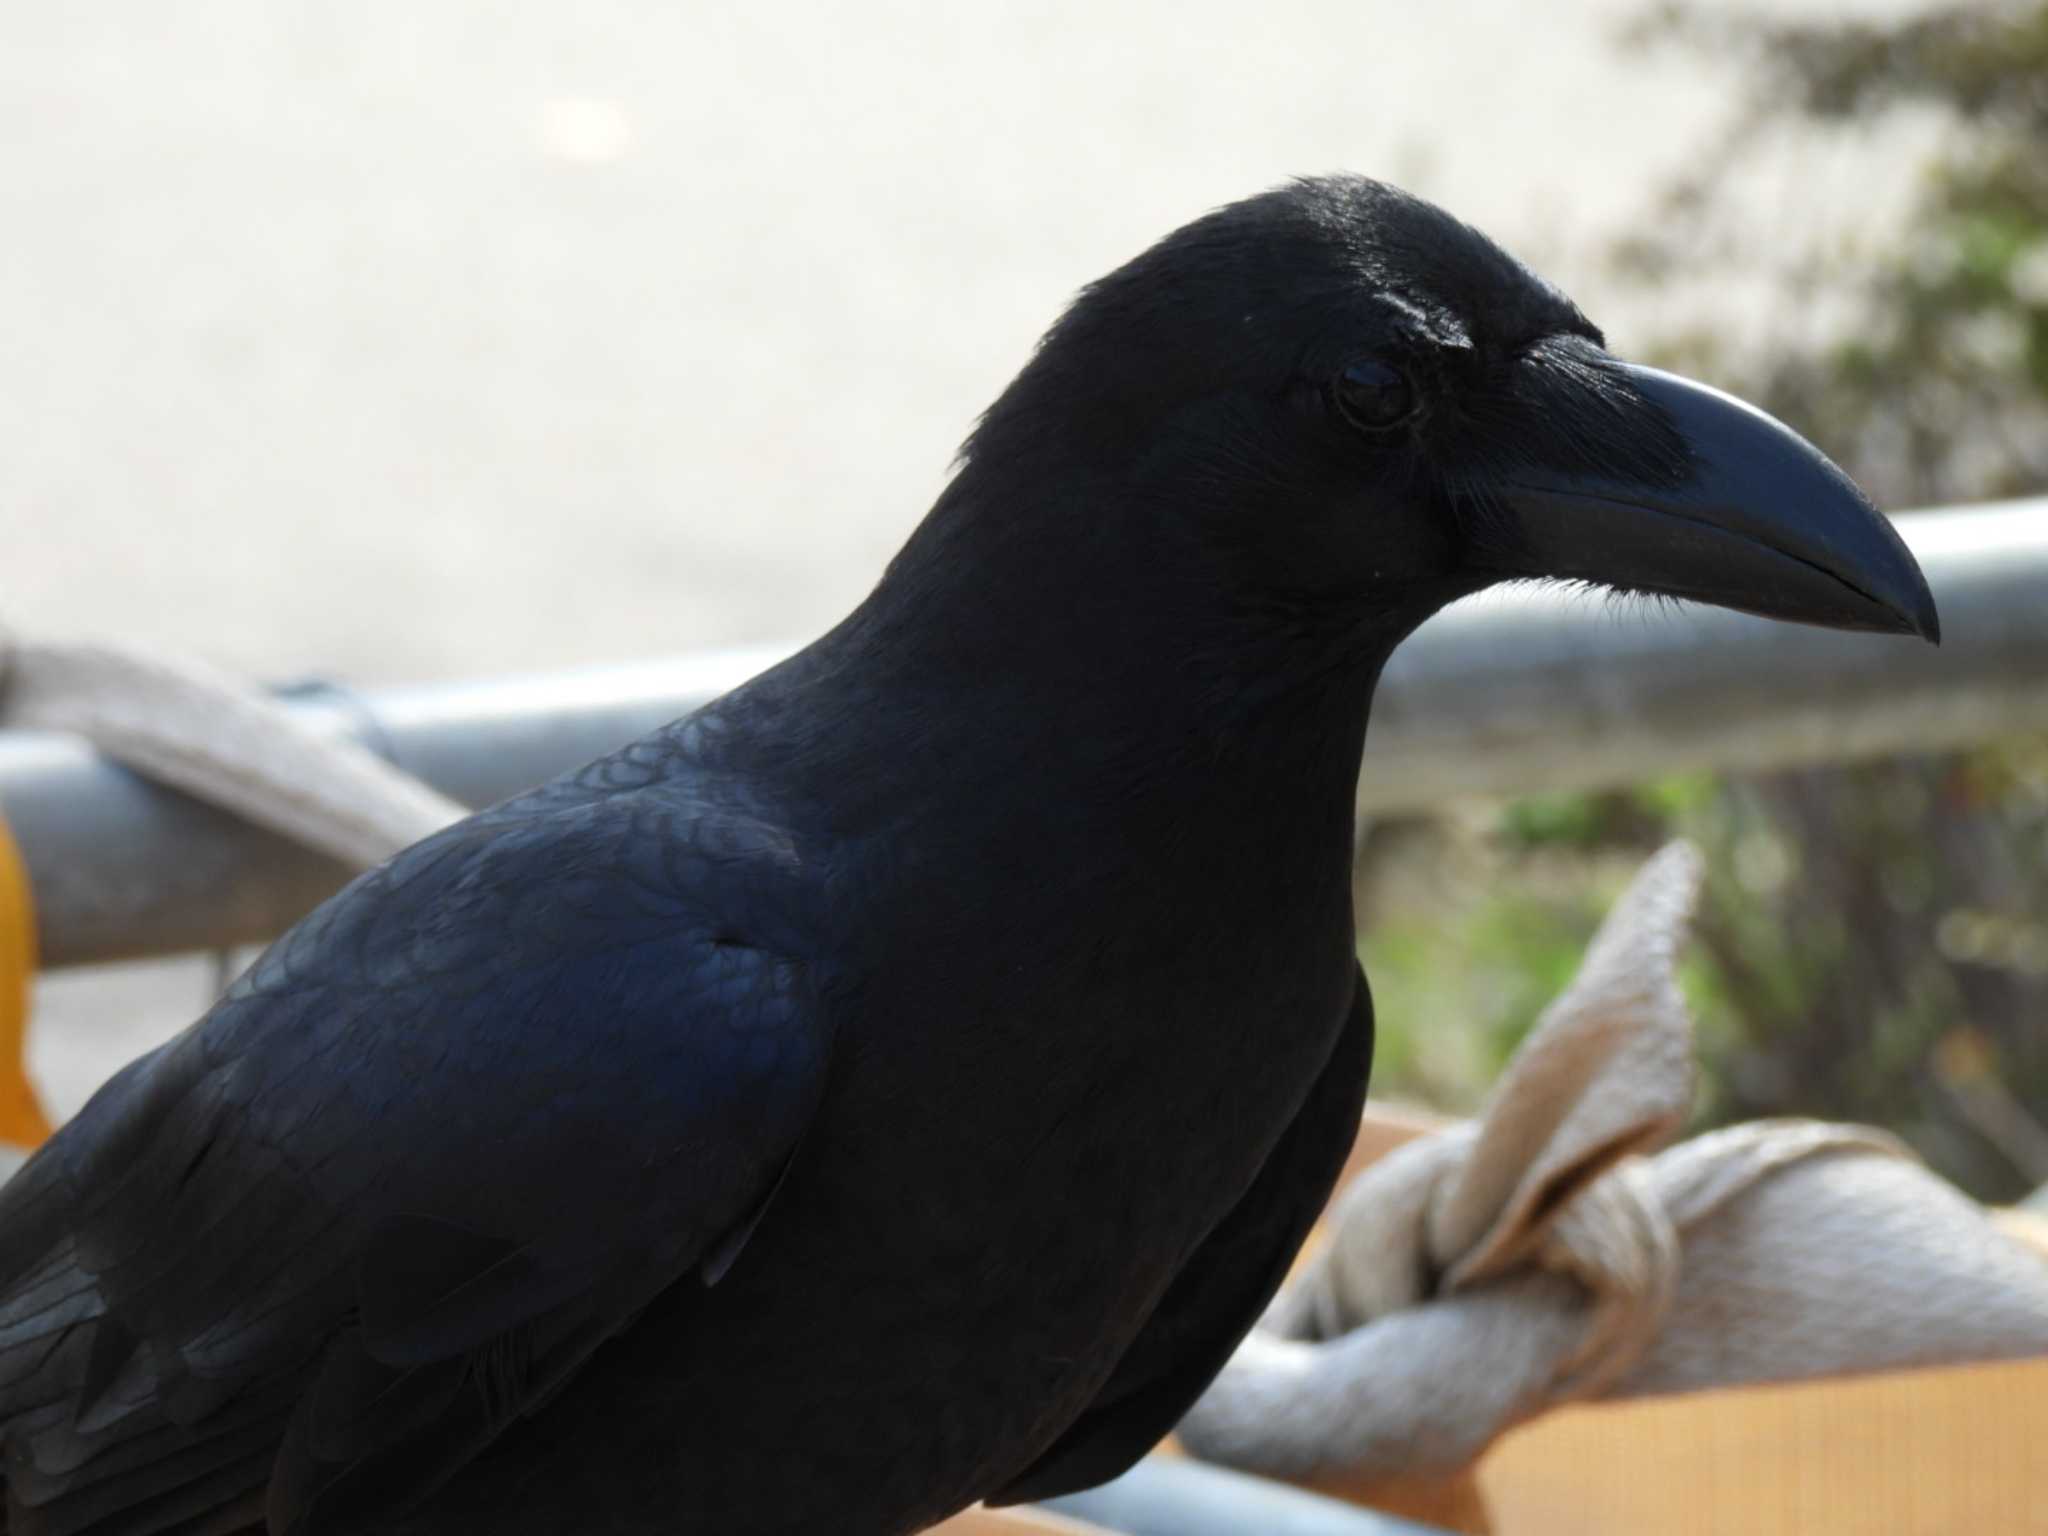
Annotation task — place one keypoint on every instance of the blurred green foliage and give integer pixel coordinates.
(1873, 942)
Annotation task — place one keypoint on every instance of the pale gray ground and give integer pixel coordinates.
(429, 338)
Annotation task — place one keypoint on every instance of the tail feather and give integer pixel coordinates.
(105, 1429)
(215, 1486)
(46, 1331)
(135, 1473)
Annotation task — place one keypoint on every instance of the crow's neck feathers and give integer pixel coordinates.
(1165, 678)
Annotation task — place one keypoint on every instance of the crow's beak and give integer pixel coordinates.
(1751, 517)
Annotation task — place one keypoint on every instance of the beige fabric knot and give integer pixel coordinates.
(221, 741)
(1541, 1254)
(1617, 1242)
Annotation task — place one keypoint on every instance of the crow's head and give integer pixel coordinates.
(1348, 395)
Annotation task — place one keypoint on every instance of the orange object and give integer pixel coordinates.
(22, 1120)
(1011, 1522)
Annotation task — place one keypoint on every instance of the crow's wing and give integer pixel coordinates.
(1216, 1298)
(452, 1132)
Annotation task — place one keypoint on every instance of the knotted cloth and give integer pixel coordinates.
(222, 741)
(1539, 1255)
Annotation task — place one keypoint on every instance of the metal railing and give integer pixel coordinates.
(1167, 1496)
(1517, 691)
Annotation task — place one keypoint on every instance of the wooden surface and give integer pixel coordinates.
(1954, 1452)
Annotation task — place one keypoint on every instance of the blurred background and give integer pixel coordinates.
(434, 340)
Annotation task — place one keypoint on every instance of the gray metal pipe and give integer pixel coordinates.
(1165, 1496)
(123, 869)
(1513, 692)
(1524, 689)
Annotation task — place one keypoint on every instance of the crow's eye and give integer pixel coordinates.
(1374, 395)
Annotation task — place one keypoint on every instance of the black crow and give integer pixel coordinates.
(901, 1082)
